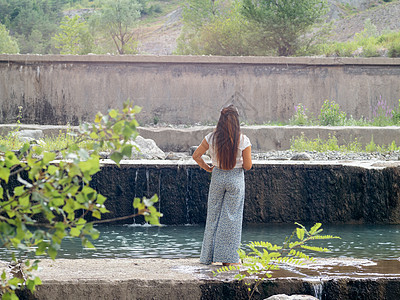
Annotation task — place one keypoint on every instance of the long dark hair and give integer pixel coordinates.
(226, 137)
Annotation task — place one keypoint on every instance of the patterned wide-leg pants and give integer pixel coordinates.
(223, 230)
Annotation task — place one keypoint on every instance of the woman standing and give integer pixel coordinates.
(230, 154)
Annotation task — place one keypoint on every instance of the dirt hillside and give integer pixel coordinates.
(349, 16)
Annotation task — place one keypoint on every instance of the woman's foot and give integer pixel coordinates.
(232, 264)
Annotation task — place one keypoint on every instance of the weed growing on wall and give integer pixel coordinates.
(331, 114)
(265, 257)
(381, 114)
(301, 116)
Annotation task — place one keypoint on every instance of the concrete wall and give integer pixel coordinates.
(267, 138)
(190, 89)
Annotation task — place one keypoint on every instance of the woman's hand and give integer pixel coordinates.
(210, 169)
(198, 153)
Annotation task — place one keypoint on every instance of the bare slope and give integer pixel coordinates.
(159, 37)
(384, 17)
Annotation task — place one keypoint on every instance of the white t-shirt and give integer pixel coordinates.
(243, 144)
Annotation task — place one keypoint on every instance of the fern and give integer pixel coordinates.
(265, 257)
(323, 237)
(316, 249)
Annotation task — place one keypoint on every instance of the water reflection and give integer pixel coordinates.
(135, 241)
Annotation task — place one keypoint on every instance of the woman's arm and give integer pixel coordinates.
(247, 163)
(199, 152)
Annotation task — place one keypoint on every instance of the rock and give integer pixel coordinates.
(301, 156)
(28, 135)
(175, 156)
(104, 155)
(192, 149)
(147, 149)
(292, 297)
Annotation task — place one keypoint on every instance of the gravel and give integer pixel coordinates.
(329, 155)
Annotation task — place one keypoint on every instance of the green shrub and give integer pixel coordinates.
(394, 50)
(396, 115)
(371, 147)
(344, 49)
(302, 143)
(331, 114)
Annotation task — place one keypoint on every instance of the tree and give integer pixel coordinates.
(42, 201)
(118, 18)
(7, 43)
(26, 19)
(225, 35)
(74, 37)
(281, 23)
(196, 15)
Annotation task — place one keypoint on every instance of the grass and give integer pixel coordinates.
(50, 143)
(302, 143)
(159, 9)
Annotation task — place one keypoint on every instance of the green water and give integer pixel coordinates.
(133, 241)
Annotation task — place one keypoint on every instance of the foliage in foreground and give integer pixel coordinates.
(266, 257)
(42, 201)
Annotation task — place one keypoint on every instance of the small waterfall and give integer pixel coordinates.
(147, 183)
(136, 175)
(317, 286)
(187, 196)
(159, 191)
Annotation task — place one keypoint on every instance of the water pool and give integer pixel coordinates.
(140, 241)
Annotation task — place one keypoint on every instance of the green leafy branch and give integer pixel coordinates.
(42, 200)
(266, 257)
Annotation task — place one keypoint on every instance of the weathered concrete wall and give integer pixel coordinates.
(266, 138)
(263, 138)
(190, 89)
(276, 192)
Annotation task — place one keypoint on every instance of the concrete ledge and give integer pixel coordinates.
(186, 279)
(263, 138)
(267, 138)
(249, 60)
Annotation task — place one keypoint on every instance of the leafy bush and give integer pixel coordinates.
(391, 41)
(371, 147)
(7, 43)
(226, 35)
(302, 143)
(58, 194)
(331, 114)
